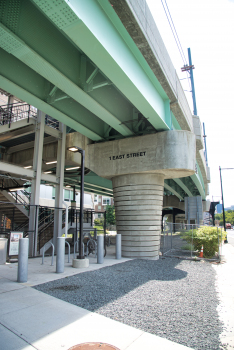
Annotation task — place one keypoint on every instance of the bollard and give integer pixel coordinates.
(118, 246)
(60, 254)
(22, 274)
(100, 249)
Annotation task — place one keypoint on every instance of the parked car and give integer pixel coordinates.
(228, 226)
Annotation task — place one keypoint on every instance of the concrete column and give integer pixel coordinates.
(138, 204)
(22, 272)
(100, 249)
(59, 187)
(10, 99)
(118, 246)
(35, 188)
(60, 255)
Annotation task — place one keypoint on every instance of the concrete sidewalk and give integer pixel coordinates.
(225, 289)
(30, 319)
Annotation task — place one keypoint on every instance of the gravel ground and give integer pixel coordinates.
(171, 298)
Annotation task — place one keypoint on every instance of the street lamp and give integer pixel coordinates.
(224, 221)
(82, 152)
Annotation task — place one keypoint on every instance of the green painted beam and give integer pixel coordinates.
(93, 183)
(183, 186)
(15, 46)
(94, 179)
(172, 190)
(199, 186)
(95, 28)
(21, 93)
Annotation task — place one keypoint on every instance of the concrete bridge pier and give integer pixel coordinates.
(137, 167)
(138, 203)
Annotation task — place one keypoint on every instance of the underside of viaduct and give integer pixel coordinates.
(100, 72)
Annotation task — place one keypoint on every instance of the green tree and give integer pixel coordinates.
(229, 217)
(110, 215)
(218, 216)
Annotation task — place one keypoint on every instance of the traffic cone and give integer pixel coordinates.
(201, 252)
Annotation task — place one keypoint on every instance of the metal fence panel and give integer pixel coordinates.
(177, 240)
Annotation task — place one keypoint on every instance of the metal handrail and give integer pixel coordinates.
(16, 111)
(19, 199)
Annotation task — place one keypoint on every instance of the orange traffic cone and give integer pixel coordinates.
(201, 252)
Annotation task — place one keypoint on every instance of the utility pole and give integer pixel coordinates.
(190, 70)
(192, 82)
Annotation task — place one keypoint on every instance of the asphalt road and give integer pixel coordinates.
(230, 237)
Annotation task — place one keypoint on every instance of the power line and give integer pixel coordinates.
(176, 37)
(185, 60)
(181, 54)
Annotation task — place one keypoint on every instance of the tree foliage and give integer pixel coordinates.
(110, 215)
(229, 217)
(206, 236)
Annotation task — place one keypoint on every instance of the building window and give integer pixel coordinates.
(99, 207)
(106, 201)
(99, 199)
(95, 198)
(67, 195)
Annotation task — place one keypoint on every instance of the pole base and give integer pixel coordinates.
(80, 263)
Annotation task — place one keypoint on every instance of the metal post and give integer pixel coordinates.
(224, 221)
(81, 255)
(22, 274)
(104, 231)
(192, 83)
(192, 243)
(69, 250)
(172, 229)
(74, 193)
(174, 215)
(100, 249)
(13, 219)
(35, 230)
(76, 234)
(118, 246)
(82, 152)
(60, 254)
(28, 113)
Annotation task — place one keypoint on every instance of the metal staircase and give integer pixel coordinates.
(16, 208)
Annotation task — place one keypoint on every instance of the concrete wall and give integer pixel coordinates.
(198, 132)
(172, 202)
(170, 153)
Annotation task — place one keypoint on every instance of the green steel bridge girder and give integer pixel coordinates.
(77, 63)
(80, 66)
(92, 183)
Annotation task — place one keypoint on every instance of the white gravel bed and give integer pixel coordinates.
(172, 298)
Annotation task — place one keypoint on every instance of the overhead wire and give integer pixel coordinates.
(177, 40)
(184, 58)
(181, 53)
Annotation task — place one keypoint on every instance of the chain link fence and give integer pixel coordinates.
(191, 241)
